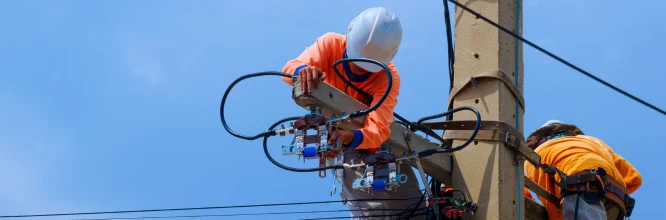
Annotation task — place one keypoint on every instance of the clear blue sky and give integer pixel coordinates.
(112, 105)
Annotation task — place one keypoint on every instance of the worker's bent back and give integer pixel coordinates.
(577, 154)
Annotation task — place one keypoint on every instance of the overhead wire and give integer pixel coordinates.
(346, 217)
(271, 132)
(218, 215)
(199, 208)
(558, 58)
(233, 215)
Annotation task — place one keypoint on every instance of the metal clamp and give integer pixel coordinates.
(381, 174)
(313, 146)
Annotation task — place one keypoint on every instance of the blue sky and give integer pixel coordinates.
(112, 105)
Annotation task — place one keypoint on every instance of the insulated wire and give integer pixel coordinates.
(404, 121)
(345, 217)
(224, 100)
(274, 73)
(449, 150)
(449, 43)
(388, 86)
(197, 208)
(558, 58)
(234, 215)
(268, 155)
(419, 203)
(451, 58)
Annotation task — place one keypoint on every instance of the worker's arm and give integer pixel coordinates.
(376, 127)
(315, 55)
(630, 175)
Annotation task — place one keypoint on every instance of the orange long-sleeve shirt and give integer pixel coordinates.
(330, 48)
(573, 154)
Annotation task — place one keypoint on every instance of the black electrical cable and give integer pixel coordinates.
(198, 208)
(368, 96)
(270, 158)
(558, 58)
(268, 155)
(461, 193)
(216, 215)
(451, 56)
(404, 121)
(436, 193)
(448, 150)
(449, 43)
(388, 87)
(233, 215)
(419, 203)
(224, 100)
(346, 217)
(430, 117)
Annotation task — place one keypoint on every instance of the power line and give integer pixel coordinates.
(345, 217)
(234, 215)
(558, 58)
(217, 215)
(196, 208)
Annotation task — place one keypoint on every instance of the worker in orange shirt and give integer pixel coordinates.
(374, 34)
(597, 181)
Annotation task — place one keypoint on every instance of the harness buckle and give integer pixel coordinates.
(630, 203)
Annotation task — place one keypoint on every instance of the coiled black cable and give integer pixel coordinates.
(268, 155)
(224, 100)
(388, 87)
(453, 149)
(271, 132)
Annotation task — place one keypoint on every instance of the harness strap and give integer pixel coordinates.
(512, 138)
(607, 186)
(580, 178)
(552, 198)
(488, 130)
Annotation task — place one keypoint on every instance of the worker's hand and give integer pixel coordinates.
(341, 136)
(310, 77)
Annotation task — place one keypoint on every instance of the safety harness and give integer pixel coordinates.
(591, 185)
(594, 184)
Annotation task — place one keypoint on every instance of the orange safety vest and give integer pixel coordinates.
(574, 154)
(330, 48)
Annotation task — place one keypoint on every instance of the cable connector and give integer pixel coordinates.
(426, 153)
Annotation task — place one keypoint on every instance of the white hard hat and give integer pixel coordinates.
(550, 122)
(374, 34)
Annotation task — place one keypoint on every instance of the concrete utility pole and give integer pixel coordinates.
(489, 78)
(487, 171)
